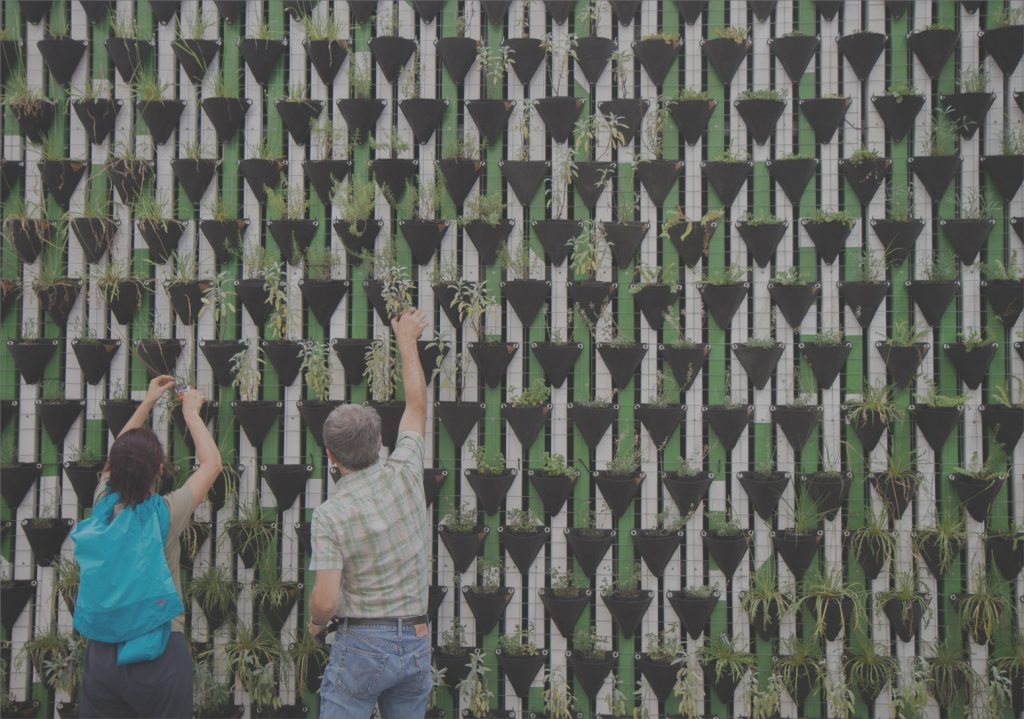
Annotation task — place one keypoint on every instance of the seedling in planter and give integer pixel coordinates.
(910, 594)
(731, 275)
(485, 465)
(951, 676)
(664, 646)
(488, 209)
(726, 659)
(998, 270)
(875, 405)
(536, 395)
(494, 62)
(721, 524)
(246, 375)
(472, 301)
(316, 368)
(942, 137)
(944, 268)
(973, 79)
(58, 657)
(984, 608)
(381, 370)
(972, 205)
(566, 584)
(522, 521)
(900, 202)
(554, 464)
(215, 592)
(288, 202)
(944, 538)
(765, 702)
(589, 250)
(396, 287)
(764, 602)
(254, 533)
(588, 645)
(255, 657)
(519, 642)
(829, 590)
(590, 127)
(475, 694)
(461, 520)
(559, 702)
(210, 696)
(905, 334)
(874, 538)
(844, 218)
(627, 454)
(322, 264)
(355, 202)
(689, 688)
(868, 670)
(737, 34)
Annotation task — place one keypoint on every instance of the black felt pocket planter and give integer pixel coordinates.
(565, 608)
(693, 609)
(490, 489)
(462, 546)
(553, 489)
(46, 537)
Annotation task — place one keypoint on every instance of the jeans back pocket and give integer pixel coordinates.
(359, 670)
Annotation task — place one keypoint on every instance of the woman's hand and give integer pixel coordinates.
(191, 401)
(157, 387)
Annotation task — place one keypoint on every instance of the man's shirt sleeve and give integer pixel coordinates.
(407, 459)
(324, 536)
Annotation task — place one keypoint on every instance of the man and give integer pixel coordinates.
(371, 541)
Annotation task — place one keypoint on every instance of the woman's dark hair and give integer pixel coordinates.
(134, 461)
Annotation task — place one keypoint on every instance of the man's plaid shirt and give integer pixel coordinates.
(375, 529)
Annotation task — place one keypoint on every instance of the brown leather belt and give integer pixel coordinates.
(388, 622)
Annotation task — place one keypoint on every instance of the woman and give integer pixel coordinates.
(147, 672)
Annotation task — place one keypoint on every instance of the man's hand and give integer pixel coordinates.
(314, 630)
(191, 401)
(157, 387)
(409, 325)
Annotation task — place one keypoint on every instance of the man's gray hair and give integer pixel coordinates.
(352, 433)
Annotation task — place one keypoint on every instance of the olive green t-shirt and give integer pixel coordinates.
(180, 504)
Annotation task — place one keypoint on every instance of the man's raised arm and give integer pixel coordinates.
(408, 328)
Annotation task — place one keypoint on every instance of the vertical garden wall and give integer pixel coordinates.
(725, 353)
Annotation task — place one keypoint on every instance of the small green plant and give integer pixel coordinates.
(58, 657)
(1013, 141)
(627, 454)
(764, 602)
(862, 155)
(559, 701)
(972, 205)
(566, 584)
(472, 301)
(246, 375)
(738, 35)
(998, 270)
(829, 588)
(588, 645)
(664, 646)
(943, 136)
(905, 334)
(731, 275)
(148, 87)
(867, 669)
(494, 62)
(288, 202)
(474, 691)
(321, 263)
(944, 268)
(951, 676)
(493, 465)
(945, 537)
(907, 590)
(726, 659)
(382, 372)
(553, 464)
(626, 584)
(876, 404)
(253, 533)
(522, 521)
(489, 581)
(485, 208)
(536, 395)
(901, 91)
(984, 610)
(461, 520)
(316, 368)
(255, 657)
(973, 79)
(589, 251)
(762, 94)
(720, 524)
(518, 642)
(900, 201)
(874, 537)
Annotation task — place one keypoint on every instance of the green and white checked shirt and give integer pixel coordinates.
(375, 529)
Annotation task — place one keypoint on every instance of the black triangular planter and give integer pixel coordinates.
(727, 552)
(116, 413)
(794, 52)
(728, 423)
(455, 666)
(553, 490)
(592, 421)
(628, 113)
(927, 547)
(828, 9)
(161, 117)
(226, 114)
(526, 297)
(127, 301)
(622, 361)
(865, 177)
(284, 357)
(195, 176)
(490, 489)
(762, 9)
(492, 359)
(660, 421)
(59, 299)
(129, 177)
(968, 236)
(324, 174)
(932, 297)
(463, 548)
(559, 9)
(658, 177)
(825, 114)
(1005, 298)
(95, 357)
(555, 237)
(935, 172)
(8, 411)
(628, 611)
(972, 365)
(829, 490)
(165, 10)
(34, 10)
(11, 174)
(261, 56)
(690, 10)
(624, 239)
(351, 353)
(656, 547)
(488, 239)
(589, 546)
(722, 301)
(187, 300)
(255, 298)
(691, 117)
(1007, 554)
(359, 237)
(524, 177)
(256, 417)
(276, 615)
(286, 481)
(592, 56)
(162, 237)
(297, 116)
(521, 670)
(764, 489)
(528, 53)
(323, 297)
(797, 549)
(862, 50)
(17, 479)
(967, 110)
(314, 413)
(46, 537)
(829, 238)
(523, 547)
(60, 178)
(293, 237)
(936, 423)
(194, 55)
(653, 300)
(904, 616)
(556, 360)
(933, 47)
(224, 236)
(871, 554)
(796, 422)
(457, 54)
(902, 362)
(898, 113)
(490, 117)
(15, 594)
(159, 356)
(618, 489)
(898, 237)
(459, 177)
(1005, 45)
(1006, 172)
(687, 490)
(84, 479)
(794, 300)
(61, 56)
(591, 180)
(31, 357)
(128, 56)
(495, 10)
(863, 299)
(361, 115)
(34, 118)
(326, 56)
(10, 291)
(760, 116)
(976, 495)
(725, 55)
(726, 178)
(759, 363)
(526, 422)
(896, 493)
(590, 297)
(261, 174)
(433, 479)
(459, 418)
(374, 295)
(792, 175)
(445, 294)
(487, 607)
(693, 612)
(424, 116)
(218, 354)
(591, 673)
(656, 55)
(559, 115)
(1006, 423)
(624, 11)
(762, 240)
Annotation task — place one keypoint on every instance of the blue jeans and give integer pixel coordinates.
(378, 665)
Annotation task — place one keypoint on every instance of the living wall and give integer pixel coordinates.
(725, 350)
